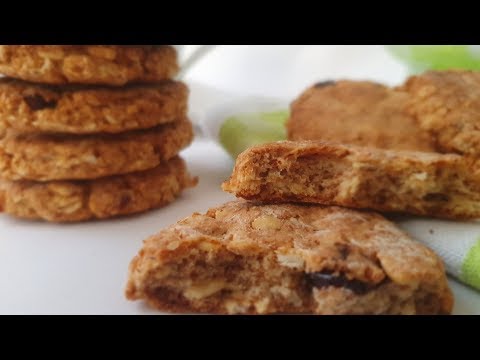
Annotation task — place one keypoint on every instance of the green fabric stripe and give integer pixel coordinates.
(471, 266)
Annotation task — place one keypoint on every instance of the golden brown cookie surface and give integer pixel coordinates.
(68, 157)
(27, 107)
(114, 65)
(245, 258)
(64, 201)
(359, 113)
(447, 104)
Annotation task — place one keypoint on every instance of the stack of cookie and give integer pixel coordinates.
(91, 131)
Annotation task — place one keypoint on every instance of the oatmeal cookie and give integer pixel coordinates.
(356, 112)
(63, 201)
(246, 258)
(447, 104)
(431, 184)
(45, 157)
(28, 107)
(114, 65)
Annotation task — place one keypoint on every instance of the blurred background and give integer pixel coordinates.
(227, 80)
(283, 71)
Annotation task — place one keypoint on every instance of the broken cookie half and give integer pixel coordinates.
(420, 183)
(246, 258)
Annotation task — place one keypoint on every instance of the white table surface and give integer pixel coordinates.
(82, 268)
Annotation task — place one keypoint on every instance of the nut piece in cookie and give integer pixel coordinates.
(431, 184)
(359, 113)
(245, 258)
(447, 104)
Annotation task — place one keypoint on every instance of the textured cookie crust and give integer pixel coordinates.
(359, 113)
(68, 157)
(447, 104)
(88, 64)
(438, 185)
(63, 201)
(28, 107)
(259, 259)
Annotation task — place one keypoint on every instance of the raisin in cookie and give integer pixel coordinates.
(63, 201)
(28, 107)
(246, 258)
(438, 185)
(45, 157)
(356, 112)
(114, 65)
